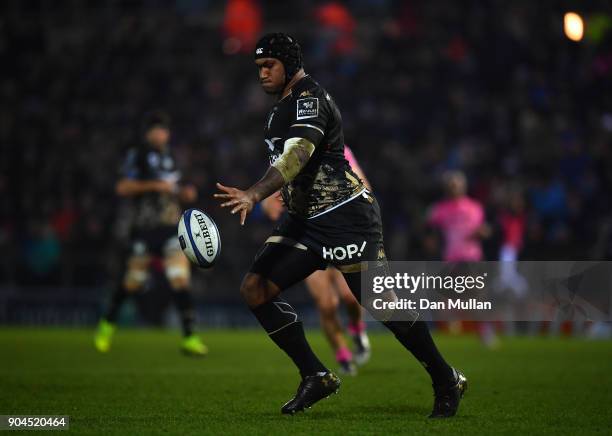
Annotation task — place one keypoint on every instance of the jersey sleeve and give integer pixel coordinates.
(129, 168)
(309, 119)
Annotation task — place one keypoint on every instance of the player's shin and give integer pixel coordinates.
(106, 327)
(191, 345)
(186, 308)
(330, 322)
(116, 302)
(415, 338)
(281, 323)
(413, 335)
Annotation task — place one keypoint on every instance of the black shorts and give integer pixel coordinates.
(158, 241)
(343, 237)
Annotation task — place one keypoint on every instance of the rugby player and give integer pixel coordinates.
(150, 180)
(330, 211)
(462, 222)
(326, 286)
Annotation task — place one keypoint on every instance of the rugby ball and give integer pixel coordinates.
(199, 238)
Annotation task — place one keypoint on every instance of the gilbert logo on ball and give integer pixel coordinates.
(199, 238)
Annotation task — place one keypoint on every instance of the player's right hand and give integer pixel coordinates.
(240, 201)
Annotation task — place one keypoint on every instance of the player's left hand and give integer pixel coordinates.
(238, 200)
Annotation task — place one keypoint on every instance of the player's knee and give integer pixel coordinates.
(252, 290)
(179, 284)
(328, 311)
(132, 286)
(256, 290)
(178, 276)
(327, 305)
(134, 280)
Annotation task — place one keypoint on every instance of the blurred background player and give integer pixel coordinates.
(461, 220)
(512, 221)
(327, 287)
(150, 181)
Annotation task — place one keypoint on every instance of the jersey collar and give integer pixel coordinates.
(291, 90)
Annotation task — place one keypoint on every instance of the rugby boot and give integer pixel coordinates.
(104, 336)
(193, 346)
(312, 389)
(447, 397)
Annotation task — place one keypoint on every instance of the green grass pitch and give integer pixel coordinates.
(144, 386)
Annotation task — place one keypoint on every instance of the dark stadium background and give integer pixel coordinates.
(493, 88)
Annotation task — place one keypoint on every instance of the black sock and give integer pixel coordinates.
(184, 303)
(117, 300)
(281, 323)
(416, 339)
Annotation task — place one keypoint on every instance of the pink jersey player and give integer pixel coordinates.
(350, 157)
(352, 160)
(461, 220)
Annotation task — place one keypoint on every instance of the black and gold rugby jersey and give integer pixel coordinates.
(327, 180)
(151, 209)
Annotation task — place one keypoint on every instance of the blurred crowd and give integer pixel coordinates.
(491, 88)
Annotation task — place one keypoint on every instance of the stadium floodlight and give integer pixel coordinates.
(573, 26)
